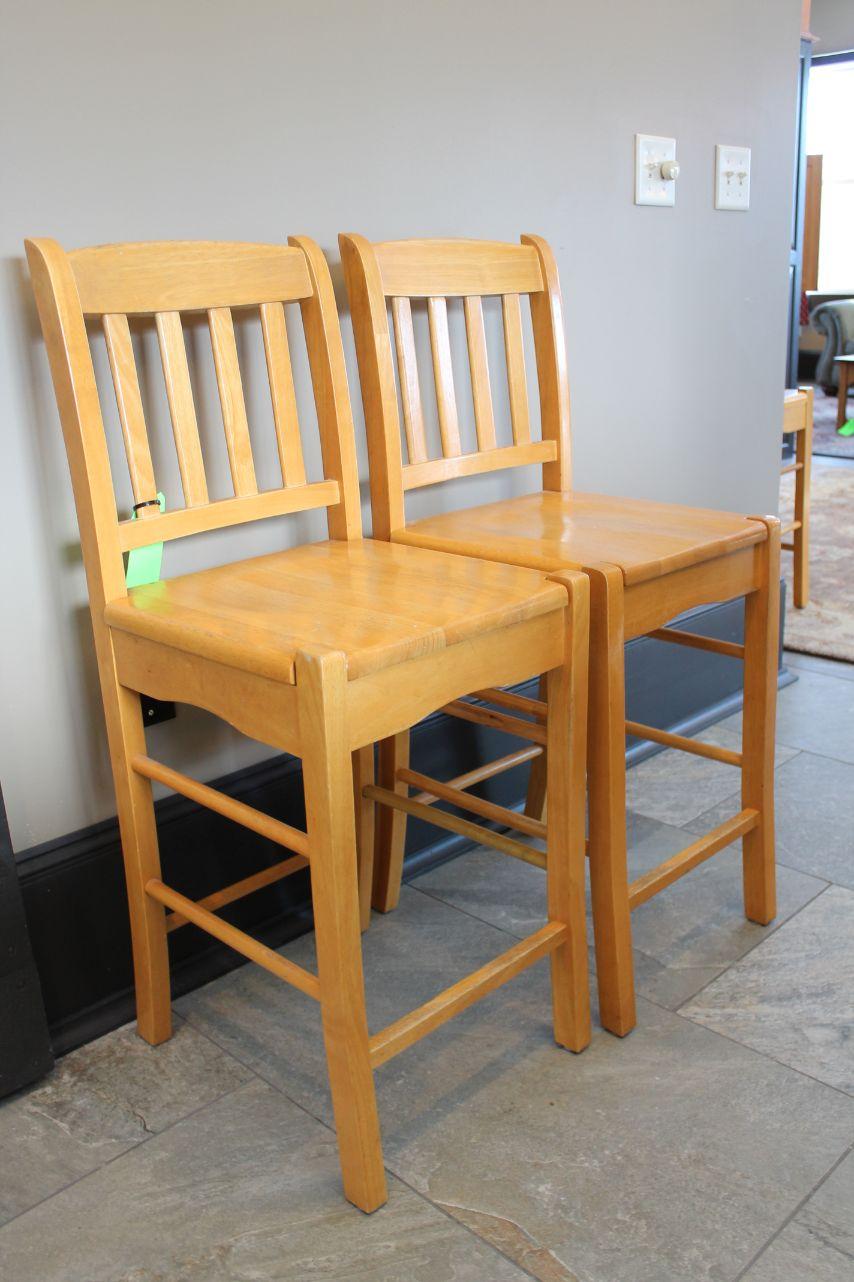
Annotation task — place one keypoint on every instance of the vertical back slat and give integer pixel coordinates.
(282, 391)
(517, 385)
(479, 365)
(410, 390)
(231, 399)
(440, 346)
(179, 392)
(131, 415)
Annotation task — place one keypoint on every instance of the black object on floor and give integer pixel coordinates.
(25, 1051)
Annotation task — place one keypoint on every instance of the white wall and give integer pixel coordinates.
(832, 21)
(250, 121)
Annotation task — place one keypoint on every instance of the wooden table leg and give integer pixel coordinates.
(842, 395)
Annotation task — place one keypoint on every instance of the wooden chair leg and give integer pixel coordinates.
(566, 729)
(392, 755)
(363, 774)
(606, 783)
(327, 776)
(761, 637)
(535, 801)
(126, 737)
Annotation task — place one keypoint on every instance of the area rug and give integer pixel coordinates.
(826, 625)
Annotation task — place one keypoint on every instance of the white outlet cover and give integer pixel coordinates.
(650, 187)
(732, 177)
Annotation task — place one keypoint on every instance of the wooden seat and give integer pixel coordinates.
(798, 419)
(547, 530)
(646, 562)
(318, 651)
(376, 603)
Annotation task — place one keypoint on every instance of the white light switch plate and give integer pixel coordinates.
(650, 187)
(732, 177)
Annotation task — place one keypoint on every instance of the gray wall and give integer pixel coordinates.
(395, 119)
(832, 21)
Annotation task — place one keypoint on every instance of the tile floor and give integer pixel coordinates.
(713, 1144)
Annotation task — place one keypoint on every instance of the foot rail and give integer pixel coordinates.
(518, 702)
(283, 834)
(237, 889)
(670, 740)
(531, 730)
(695, 641)
(236, 939)
(489, 770)
(452, 823)
(477, 805)
(674, 868)
(397, 1036)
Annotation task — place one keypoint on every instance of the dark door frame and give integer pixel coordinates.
(797, 223)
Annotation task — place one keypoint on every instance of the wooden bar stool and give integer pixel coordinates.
(318, 651)
(798, 418)
(646, 562)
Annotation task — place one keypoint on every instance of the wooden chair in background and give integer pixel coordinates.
(797, 418)
(647, 562)
(318, 651)
(845, 373)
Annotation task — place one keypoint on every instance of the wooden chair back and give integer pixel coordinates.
(164, 280)
(797, 409)
(436, 270)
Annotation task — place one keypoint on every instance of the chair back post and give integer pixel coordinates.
(331, 392)
(376, 376)
(552, 373)
(73, 374)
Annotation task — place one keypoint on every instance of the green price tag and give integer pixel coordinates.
(144, 563)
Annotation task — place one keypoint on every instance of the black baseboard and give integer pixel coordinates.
(73, 887)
